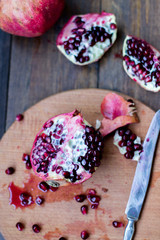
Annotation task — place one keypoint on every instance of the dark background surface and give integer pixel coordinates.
(32, 69)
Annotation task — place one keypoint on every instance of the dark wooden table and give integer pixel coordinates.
(32, 69)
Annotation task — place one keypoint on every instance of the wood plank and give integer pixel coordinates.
(38, 69)
(60, 215)
(5, 41)
(139, 18)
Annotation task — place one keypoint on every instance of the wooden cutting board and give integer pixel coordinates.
(60, 214)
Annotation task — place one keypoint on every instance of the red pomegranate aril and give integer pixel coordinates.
(95, 199)
(117, 224)
(10, 171)
(122, 143)
(84, 235)
(137, 147)
(129, 155)
(36, 228)
(19, 117)
(19, 226)
(133, 136)
(80, 198)
(92, 192)
(25, 202)
(84, 209)
(53, 189)
(66, 174)
(39, 200)
(43, 186)
(113, 26)
(25, 157)
(129, 149)
(24, 196)
(95, 205)
(28, 164)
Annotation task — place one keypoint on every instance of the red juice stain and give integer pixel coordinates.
(15, 193)
(64, 193)
(118, 55)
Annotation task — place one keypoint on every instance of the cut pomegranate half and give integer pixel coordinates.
(141, 62)
(66, 148)
(117, 112)
(85, 38)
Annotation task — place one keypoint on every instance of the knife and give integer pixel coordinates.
(141, 177)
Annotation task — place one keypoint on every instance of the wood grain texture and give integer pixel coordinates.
(5, 42)
(60, 215)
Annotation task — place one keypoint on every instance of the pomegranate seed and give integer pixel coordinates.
(137, 147)
(19, 226)
(36, 228)
(19, 117)
(9, 170)
(39, 200)
(43, 186)
(53, 189)
(129, 155)
(84, 235)
(92, 191)
(80, 198)
(84, 209)
(25, 157)
(113, 26)
(117, 224)
(24, 202)
(95, 199)
(133, 136)
(24, 196)
(122, 143)
(95, 205)
(28, 164)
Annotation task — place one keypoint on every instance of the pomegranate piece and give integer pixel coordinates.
(84, 209)
(19, 117)
(117, 112)
(80, 198)
(39, 200)
(19, 226)
(128, 143)
(29, 18)
(117, 224)
(43, 186)
(141, 62)
(85, 38)
(84, 235)
(26, 199)
(66, 148)
(10, 171)
(36, 228)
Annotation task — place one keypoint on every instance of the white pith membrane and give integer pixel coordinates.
(150, 86)
(72, 147)
(94, 52)
(118, 138)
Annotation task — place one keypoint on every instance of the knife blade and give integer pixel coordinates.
(141, 177)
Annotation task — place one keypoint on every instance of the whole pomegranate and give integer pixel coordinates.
(141, 61)
(29, 18)
(66, 148)
(85, 38)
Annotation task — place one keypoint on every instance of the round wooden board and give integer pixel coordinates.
(60, 215)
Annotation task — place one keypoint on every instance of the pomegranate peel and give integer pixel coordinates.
(67, 149)
(85, 38)
(29, 18)
(141, 61)
(117, 112)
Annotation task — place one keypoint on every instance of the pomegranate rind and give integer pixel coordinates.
(70, 145)
(122, 150)
(147, 85)
(117, 112)
(29, 18)
(92, 19)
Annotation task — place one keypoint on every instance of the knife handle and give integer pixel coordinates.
(129, 231)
